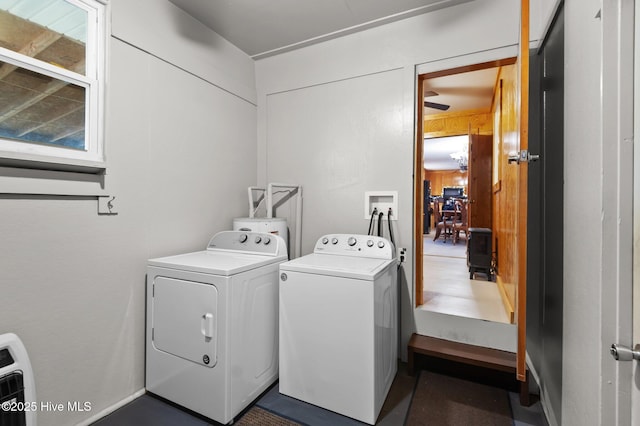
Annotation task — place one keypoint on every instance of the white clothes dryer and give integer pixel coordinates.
(212, 323)
(339, 326)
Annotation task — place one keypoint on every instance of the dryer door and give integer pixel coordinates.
(185, 319)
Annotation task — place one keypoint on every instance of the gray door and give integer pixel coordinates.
(545, 226)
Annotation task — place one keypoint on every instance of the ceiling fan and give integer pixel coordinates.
(435, 105)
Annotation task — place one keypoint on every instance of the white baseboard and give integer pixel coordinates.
(112, 408)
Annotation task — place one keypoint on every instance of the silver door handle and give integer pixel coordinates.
(624, 353)
(523, 156)
(514, 158)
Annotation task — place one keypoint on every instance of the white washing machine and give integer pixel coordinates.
(338, 325)
(212, 323)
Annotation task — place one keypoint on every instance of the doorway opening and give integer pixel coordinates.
(464, 117)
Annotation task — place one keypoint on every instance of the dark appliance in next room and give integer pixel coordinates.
(479, 251)
(452, 192)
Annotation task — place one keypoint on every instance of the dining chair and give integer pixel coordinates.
(462, 225)
(441, 223)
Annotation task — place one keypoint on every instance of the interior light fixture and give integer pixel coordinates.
(462, 157)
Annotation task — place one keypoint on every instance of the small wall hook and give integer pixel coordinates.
(105, 205)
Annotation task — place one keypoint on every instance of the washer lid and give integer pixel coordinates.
(216, 262)
(361, 268)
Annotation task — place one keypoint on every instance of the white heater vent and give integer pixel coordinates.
(17, 386)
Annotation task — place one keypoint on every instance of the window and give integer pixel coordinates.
(52, 66)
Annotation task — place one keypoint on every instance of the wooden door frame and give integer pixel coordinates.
(523, 181)
(521, 224)
(419, 163)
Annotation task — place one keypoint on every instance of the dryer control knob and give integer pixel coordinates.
(352, 241)
(325, 240)
(369, 243)
(381, 244)
(258, 240)
(243, 238)
(267, 240)
(334, 241)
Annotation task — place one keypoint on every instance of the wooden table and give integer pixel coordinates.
(451, 214)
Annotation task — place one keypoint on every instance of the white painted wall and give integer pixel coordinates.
(181, 133)
(163, 30)
(181, 153)
(338, 117)
(583, 209)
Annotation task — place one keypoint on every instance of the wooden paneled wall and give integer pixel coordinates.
(458, 123)
(439, 179)
(505, 181)
(454, 124)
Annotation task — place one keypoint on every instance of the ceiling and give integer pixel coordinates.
(462, 92)
(264, 28)
(437, 152)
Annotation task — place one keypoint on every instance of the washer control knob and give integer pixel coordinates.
(334, 241)
(243, 238)
(352, 241)
(267, 240)
(381, 244)
(258, 240)
(325, 240)
(369, 243)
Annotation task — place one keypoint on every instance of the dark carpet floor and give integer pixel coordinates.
(444, 400)
(432, 398)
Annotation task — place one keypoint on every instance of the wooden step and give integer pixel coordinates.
(467, 354)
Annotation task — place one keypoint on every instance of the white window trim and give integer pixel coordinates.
(92, 159)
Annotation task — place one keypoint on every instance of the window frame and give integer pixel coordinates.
(92, 158)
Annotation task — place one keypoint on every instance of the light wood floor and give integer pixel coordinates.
(448, 289)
